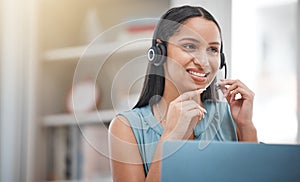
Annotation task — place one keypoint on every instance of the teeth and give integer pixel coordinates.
(197, 74)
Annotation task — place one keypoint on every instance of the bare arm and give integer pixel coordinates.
(241, 108)
(126, 162)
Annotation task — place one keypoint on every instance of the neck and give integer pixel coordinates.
(171, 92)
(160, 109)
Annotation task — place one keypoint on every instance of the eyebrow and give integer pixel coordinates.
(197, 41)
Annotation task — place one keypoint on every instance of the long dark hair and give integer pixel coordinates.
(154, 82)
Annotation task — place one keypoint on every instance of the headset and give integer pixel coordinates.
(223, 62)
(157, 53)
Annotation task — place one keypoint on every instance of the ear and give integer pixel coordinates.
(158, 41)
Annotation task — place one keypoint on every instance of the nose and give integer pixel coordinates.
(201, 59)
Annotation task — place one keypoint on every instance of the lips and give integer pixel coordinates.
(198, 76)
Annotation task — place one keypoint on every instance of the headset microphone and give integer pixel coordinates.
(223, 63)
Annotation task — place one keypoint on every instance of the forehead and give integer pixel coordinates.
(199, 28)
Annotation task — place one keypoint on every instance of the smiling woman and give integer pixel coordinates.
(179, 100)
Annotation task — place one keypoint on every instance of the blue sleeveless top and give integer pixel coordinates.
(217, 125)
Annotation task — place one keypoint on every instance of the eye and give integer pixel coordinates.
(190, 47)
(213, 50)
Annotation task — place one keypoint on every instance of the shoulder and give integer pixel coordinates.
(123, 120)
(137, 117)
(123, 151)
(129, 123)
(120, 129)
(119, 123)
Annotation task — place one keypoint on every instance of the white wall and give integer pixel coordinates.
(264, 45)
(17, 70)
(10, 119)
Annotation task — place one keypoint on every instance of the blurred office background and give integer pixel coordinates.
(49, 47)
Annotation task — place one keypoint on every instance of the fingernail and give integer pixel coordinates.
(202, 109)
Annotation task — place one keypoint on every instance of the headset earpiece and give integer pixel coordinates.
(157, 54)
(223, 63)
(222, 58)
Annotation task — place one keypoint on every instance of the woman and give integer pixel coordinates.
(179, 98)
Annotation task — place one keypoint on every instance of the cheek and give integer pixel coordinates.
(175, 64)
(175, 69)
(175, 54)
(214, 64)
(175, 73)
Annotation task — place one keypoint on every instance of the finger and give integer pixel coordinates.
(196, 113)
(191, 104)
(226, 91)
(188, 95)
(230, 89)
(223, 86)
(244, 93)
(233, 82)
(232, 97)
(240, 93)
(200, 110)
(228, 82)
(232, 85)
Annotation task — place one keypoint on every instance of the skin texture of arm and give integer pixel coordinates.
(127, 165)
(241, 108)
(126, 162)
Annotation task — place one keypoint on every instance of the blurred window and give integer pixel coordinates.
(264, 56)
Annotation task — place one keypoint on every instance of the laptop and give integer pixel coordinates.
(229, 161)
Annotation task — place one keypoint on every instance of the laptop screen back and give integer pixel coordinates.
(232, 161)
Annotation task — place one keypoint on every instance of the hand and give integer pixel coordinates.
(183, 115)
(240, 99)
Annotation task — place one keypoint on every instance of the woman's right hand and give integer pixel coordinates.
(183, 115)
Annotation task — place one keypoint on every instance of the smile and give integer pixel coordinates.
(197, 73)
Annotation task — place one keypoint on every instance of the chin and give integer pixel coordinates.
(201, 86)
(193, 87)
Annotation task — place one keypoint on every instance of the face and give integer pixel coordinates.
(193, 55)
